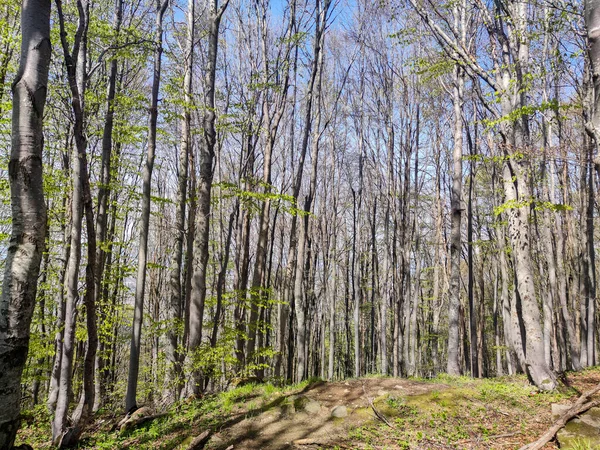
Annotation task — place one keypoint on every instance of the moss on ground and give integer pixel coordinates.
(459, 413)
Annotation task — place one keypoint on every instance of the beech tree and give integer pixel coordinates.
(255, 190)
(22, 266)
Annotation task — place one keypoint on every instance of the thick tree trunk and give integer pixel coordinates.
(24, 253)
(517, 191)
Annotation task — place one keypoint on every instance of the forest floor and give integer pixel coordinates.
(441, 413)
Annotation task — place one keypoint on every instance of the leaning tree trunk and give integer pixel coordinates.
(24, 254)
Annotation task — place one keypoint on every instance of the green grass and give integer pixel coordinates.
(184, 419)
(461, 409)
(467, 410)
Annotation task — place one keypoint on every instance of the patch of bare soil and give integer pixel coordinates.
(307, 420)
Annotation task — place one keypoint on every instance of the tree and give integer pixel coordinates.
(28, 211)
(66, 431)
(140, 285)
(207, 154)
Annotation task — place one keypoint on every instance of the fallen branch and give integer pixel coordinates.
(137, 418)
(378, 414)
(580, 406)
(199, 441)
(307, 441)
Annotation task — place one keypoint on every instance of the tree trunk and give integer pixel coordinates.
(453, 367)
(24, 253)
(104, 190)
(207, 154)
(140, 285)
(174, 371)
(66, 431)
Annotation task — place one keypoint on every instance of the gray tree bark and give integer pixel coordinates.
(174, 310)
(592, 23)
(453, 366)
(140, 285)
(67, 430)
(104, 191)
(207, 154)
(28, 211)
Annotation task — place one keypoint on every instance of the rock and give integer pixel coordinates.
(144, 411)
(581, 432)
(303, 403)
(591, 418)
(286, 409)
(313, 407)
(339, 411)
(137, 417)
(300, 402)
(559, 410)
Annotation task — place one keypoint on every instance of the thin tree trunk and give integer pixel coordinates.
(174, 310)
(103, 196)
(207, 154)
(65, 431)
(453, 367)
(140, 285)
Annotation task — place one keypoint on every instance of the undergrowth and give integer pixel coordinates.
(455, 413)
(184, 420)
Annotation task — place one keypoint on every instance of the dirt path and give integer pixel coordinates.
(311, 415)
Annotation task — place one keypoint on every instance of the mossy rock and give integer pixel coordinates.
(582, 432)
(389, 406)
(300, 401)
(363, 413)
(303, 403)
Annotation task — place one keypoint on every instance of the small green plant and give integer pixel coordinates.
(583, 444)
(394, 402)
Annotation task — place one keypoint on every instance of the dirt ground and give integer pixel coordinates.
(282, 427)
(472, 414)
